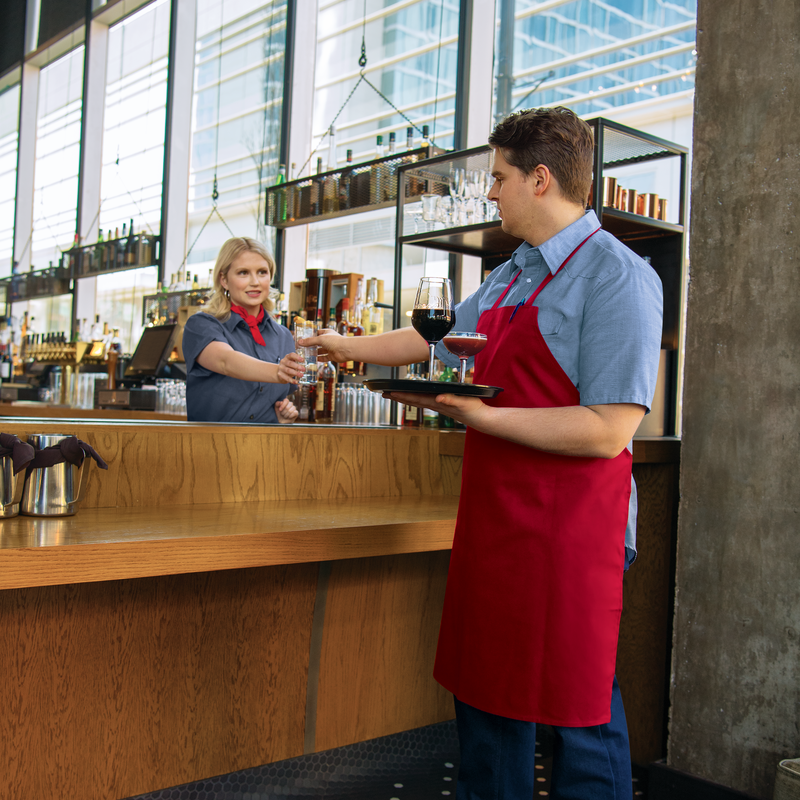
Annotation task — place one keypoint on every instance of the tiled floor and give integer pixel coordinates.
(415, 765)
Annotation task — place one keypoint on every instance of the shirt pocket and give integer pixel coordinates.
(550, 321)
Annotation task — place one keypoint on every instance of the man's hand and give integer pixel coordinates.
(469, 410)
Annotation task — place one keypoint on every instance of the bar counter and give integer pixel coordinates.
(228, 596)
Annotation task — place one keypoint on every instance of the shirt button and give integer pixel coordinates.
(529, 280)
(261, 389)
(251, 416)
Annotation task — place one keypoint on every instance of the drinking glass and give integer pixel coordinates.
(464, 345)
(304, 330)
(433, 315)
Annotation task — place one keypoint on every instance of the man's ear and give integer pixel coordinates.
(542, 179)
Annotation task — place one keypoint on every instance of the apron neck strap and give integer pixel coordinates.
(551, 275)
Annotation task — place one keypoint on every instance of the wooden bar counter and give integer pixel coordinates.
(228, 596)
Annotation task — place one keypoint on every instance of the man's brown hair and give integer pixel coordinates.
(555, 137)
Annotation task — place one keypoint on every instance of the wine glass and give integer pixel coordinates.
(433, 315)
(464, 345)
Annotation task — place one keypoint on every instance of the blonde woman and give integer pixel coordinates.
(239, 361)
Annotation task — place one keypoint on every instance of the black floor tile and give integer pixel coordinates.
(421, 764)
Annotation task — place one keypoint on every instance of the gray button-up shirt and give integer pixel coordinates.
(601, 316)
(211, 397)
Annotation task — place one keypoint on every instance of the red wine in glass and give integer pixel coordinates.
(464, 345)
(433, 315)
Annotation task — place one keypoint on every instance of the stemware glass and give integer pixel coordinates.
(464, 345)
(433, 315)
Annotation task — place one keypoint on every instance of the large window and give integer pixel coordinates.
(412, 54)
(9, 140)
(134, 120)
(239, 71)
(593, 55)
(411, 58)
(58, 134)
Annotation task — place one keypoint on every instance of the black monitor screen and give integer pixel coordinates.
(152, 351)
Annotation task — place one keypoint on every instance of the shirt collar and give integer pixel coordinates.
(557, 249)
(234, 320)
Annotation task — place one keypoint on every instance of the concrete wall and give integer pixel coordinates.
(736, 669)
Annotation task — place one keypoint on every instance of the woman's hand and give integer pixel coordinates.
(290, 369)
(286, 411)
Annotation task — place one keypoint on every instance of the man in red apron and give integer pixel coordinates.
(534, 594)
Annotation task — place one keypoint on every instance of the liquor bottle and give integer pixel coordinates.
(409, 138)
(332, 318)
(343, 328)
(392, 143)
(355, 328)
(130, 248)
(281, 211)
(210, 279)
(316, 191)
(330, 189)
(97, 330)
(326, 392)
(195, 294)
(5, 364)
(412, 416)
(372, 318)
(379, 148)
(99, 250)
(344, 183)
(426, 142)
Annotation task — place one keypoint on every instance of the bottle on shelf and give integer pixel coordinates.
(330, 188)
(343, 329)
(281, 209)
(426, 142)
(316, 191)
(326, 392)
(6, 367)
(392, 143)
(96, 333)
(412, 416)
(355, 327)
(344, 183)
(409, 138)
(379, 148)
(372, 317)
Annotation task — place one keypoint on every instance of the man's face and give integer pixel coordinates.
(515, 196)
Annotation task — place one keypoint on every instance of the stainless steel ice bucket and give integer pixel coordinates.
(11, 487)
(51, 491)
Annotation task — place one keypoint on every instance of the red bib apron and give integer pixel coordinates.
(534, 591)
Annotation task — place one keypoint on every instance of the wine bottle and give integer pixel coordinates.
(344, 183)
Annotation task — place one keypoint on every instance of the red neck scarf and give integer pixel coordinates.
(251, 321)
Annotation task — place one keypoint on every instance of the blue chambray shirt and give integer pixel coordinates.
(601, 317)
(211, 397)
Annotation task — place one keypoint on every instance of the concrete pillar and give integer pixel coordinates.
(736, 660)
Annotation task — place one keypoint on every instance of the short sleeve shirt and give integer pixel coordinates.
(211, 397)
(601, 315)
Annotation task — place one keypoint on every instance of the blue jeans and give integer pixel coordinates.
(497, 757)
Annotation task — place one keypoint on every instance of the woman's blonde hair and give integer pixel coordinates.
(219, 305)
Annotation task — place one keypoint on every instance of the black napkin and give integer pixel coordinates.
(70, 449)
(21, 452)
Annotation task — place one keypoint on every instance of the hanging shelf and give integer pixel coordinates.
(348, 190)
(112, 255)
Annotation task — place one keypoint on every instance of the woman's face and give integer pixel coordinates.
(247, 281)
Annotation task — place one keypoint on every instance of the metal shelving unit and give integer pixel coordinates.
(619, 150)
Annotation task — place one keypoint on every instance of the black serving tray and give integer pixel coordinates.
(431, 387)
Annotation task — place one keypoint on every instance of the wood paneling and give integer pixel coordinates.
(117, 688)
(181, 464)
(107, 544)
(381, 628)
(644, 642)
